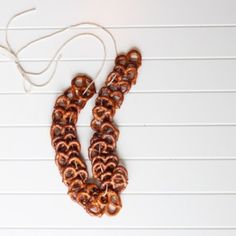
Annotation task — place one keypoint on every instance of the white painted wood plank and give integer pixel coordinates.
(137, 108)
(152, 42)
(126, 13)
(115, 232)
(145, 176)
(182, 43)
(154, 76)
(134, 143)
(149, 211)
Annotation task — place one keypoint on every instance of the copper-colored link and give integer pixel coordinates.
(63, 146)
(80, 82)
(74, 188)
(76, 185)
(104, 92)
(69, 129)
(118, 98)
(76, 163)
(92, 189)
(96, 136)
(69, 93)
(113, 78)
(105, 159)
(98, 147)
(107, 102)
(69, 137)
(57, 114)
(120, 69)
(56, 130)
(101, 113)
(79, 103)
(111, 157)
(134, 57)
(83, 198)
(110, 177)
(56, 140)
(121, 60)
(69, 174)
(61, 159)
(94, 208)
(70, 117)
(96, 124)
(100, 167)
(74, 145)
(131, 74)
(111, 201)
(109, 128)
(62, 102)
(110, 139)
(74, 107)
(119, 182)
(121, 170)
(124, 86)
(105, 176)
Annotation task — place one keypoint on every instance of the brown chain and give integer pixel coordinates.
(110, 178)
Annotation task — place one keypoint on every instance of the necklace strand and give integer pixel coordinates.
(102, 193)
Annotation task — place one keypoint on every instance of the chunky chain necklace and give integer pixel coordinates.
(102, 193)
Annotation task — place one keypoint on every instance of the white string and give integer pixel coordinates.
(105, 193)
(55, 33)
(60, 49)
(10, 53)
(11, 50)
(8, 25)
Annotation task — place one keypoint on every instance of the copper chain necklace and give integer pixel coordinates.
(101, 194)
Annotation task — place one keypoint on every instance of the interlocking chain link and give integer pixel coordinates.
(101, 194)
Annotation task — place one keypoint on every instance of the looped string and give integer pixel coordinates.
(14, 55)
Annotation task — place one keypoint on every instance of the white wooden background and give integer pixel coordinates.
(179, 149)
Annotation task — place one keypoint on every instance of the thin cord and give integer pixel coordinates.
(105, 193)
(23, 71)
(8, 25)
(53, 34)
(61, 47)
(113, 77)
(9, 51)
(70, 27)
(6, 52)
